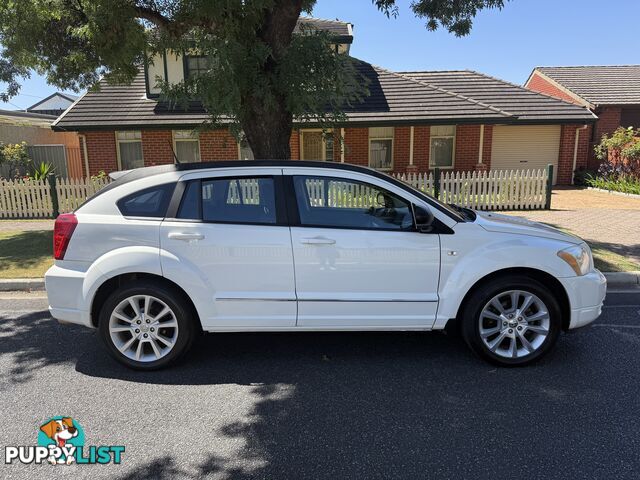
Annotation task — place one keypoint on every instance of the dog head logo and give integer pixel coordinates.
(61, 435)
(60, 431)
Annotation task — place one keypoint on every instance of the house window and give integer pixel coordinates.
(186, 146)
(381, 148)
(244, 149)
(129, 149)
(317, 145)
(443, 141)
(197, 65)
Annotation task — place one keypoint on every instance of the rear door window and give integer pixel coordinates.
(248, 200)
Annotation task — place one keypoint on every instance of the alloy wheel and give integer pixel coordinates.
(514, 324)
(143, 328)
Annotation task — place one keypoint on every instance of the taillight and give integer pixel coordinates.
(62, 231)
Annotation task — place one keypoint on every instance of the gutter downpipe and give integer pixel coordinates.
(83, 139)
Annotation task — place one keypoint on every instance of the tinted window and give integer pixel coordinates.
(339, 202)
(150, 202)
(239, 200)
(190, 204)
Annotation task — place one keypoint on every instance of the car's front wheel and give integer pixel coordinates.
(146, 325)
(511, 321)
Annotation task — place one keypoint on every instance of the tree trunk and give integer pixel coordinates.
(268, 132)
(268, 129)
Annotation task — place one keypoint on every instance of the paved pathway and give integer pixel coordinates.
(612, 221)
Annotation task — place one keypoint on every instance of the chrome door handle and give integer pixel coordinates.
(318, 241)
(185, 237)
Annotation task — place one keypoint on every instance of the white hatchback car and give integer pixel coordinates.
(165, 252)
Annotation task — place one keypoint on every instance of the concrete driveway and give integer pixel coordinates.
(612, 221)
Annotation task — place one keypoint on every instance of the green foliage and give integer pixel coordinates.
(625, 141)
(454, 15)
(100, 175)
(15, 156)
(582, 175)
(261, 75)
(41, 171)
(624, 183)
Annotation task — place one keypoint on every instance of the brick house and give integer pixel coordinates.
(610, 92)
(411, 121)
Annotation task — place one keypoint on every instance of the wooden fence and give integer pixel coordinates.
(494, 190)
(26, 198)
(488, 190)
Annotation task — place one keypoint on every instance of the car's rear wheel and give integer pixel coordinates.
(511, 321)
(146, 325)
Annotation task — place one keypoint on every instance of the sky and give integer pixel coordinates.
(506, 44)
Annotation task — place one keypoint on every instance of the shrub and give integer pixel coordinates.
(621, 148)
(15, 157)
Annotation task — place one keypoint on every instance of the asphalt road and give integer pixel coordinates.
(380, 405)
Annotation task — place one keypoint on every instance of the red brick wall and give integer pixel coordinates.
(609, 118)
(401, 144)
(467, 147)
(421, 147)
(567, 148)
(356, 142)
(221, 145)
(157, 147)
(294, 145)
(541, 85)
(101, 150)
(218, 145)
(486, 147)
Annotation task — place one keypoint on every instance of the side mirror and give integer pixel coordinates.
(423, 219)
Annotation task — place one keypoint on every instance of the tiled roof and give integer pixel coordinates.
(524, 104)
(409, 98)
(599, 85)
(336, 27)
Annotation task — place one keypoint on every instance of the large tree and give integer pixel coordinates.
(261, 74)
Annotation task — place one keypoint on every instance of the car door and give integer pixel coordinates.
(230, 230)
(359, 261)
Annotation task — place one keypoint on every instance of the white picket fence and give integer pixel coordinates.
(488, 190)
(26, 198)
(493, 190)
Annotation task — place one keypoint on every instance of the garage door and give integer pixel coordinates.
(529, 147)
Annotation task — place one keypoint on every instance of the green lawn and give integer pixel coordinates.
(25, 253)
(608, 261)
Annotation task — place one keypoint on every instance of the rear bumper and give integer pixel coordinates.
(65, 288)
(586, 296)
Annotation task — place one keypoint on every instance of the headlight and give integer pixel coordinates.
(578, 257)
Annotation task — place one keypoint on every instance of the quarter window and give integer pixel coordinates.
(235, 200)
(442, 146)
(345, 203)
(129, 147)
(187, 146)
(381, 148)
(150, 202)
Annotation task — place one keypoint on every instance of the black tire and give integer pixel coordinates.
(481, 296)
(182, 310)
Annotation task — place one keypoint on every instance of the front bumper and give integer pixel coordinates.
(586, 296)
(65, 288)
